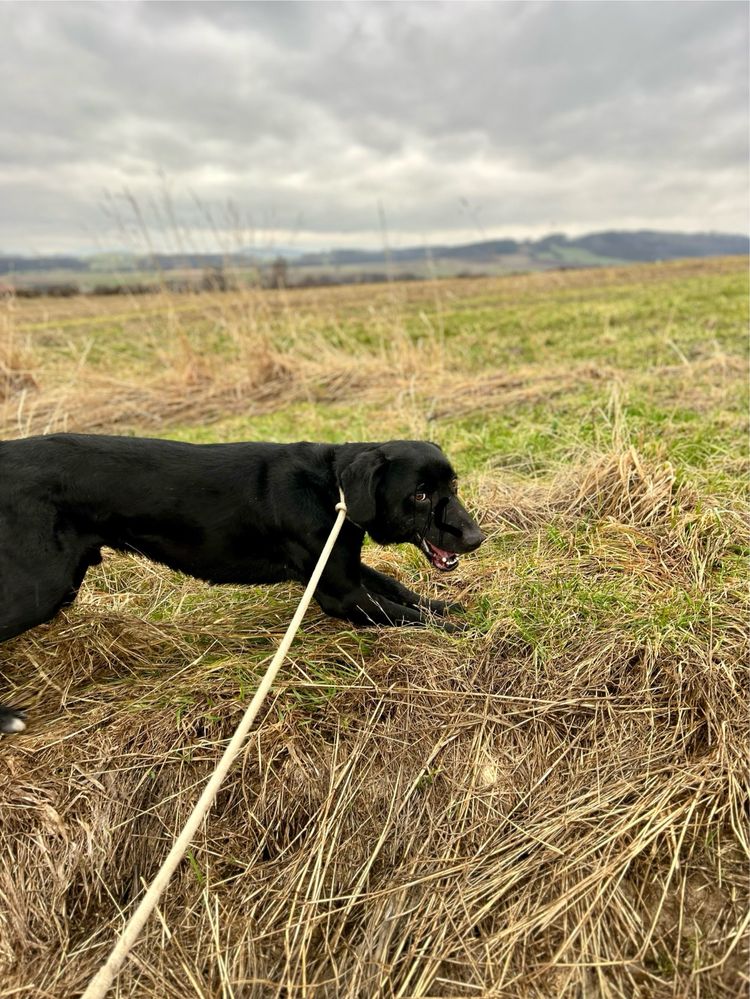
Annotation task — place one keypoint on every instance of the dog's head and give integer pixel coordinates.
(408, 491)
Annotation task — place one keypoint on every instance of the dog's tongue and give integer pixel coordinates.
(439, 558)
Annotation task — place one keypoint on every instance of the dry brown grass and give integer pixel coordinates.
(98, 404)
(439, 817)
(551, 804)
(191, 386)
(616, 485)
(15, 364)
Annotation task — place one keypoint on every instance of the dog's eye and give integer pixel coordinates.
(420, 497)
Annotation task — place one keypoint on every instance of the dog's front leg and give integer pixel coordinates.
(345, 591)
(380, 584)
(363, 607)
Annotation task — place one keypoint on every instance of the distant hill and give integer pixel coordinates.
(598, 247)
(488, 256)
(484, 251)
(647, 245)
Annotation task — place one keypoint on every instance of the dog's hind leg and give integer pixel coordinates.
(34, 585)
(32, 599)
(11, 720)
(27, 602)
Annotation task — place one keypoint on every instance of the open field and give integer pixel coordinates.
(299, 274)
(551, 803)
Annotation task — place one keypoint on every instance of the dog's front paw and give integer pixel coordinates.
(453, 627)
(11, 720)
(445, 607)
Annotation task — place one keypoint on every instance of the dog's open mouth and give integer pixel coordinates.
(440, 559)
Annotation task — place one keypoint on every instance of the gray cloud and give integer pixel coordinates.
(461, 119)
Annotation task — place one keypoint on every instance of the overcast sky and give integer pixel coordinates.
(314, 124)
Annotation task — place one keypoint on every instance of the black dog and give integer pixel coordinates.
(226, 513)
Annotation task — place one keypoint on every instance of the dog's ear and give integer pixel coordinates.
(359, 481)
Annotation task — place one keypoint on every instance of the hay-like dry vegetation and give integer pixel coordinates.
(551, 803)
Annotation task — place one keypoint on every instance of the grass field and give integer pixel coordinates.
(550, 803)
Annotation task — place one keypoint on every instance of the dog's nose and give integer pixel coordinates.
(474, 538)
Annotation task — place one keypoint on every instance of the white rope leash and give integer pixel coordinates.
(101, 982)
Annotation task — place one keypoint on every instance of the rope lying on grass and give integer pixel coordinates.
(101, 982)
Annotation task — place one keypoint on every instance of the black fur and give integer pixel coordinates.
(226, 513)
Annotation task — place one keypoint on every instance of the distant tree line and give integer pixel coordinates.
(275, 276)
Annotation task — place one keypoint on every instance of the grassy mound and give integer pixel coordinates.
(553, 802)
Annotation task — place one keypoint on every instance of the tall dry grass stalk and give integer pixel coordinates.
(16, 376)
